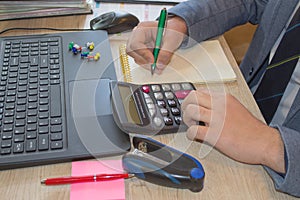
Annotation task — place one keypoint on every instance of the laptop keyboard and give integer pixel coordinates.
(30, 96)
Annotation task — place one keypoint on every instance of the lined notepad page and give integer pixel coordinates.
(202, 63)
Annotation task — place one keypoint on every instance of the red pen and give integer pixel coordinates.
(82, 179)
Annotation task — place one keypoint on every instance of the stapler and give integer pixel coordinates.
(160, 164)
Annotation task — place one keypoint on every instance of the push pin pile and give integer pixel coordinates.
(75, 48)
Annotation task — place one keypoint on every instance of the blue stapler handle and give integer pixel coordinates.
(163, 165)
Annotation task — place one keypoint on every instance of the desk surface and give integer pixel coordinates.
(225, 178)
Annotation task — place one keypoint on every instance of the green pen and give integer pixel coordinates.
(159, 36)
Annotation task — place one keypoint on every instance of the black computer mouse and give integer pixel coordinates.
(114, 22)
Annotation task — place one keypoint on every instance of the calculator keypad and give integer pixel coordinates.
(163, 101)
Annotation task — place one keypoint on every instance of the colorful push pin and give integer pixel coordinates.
(76, 48)
(71, 44)
(95, 57)
(84, 54)
(90, 46)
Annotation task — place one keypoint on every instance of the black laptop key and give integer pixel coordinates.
(18, 148)
(6, 143)
(44, 61)
(56, 128)
(56, 136)
(55, 96)
(31, 145)
(34, 60)
(19, 123)
(19, 130)
(5, 151)
(43, 130)
(19, 138)
(14, 61)
(31, 135)
(57, 145)
(43, 142)
(54, 50)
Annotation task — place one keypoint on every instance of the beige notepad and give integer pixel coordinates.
(202, 63)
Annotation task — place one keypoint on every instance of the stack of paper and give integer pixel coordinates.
(42, 8)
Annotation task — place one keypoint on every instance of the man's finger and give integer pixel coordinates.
(192, 114)
(197, 132)
(197, 97)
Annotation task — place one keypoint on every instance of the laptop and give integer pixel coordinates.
(54, 103)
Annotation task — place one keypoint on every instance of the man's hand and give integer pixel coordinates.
(232, 129)
(141, 42)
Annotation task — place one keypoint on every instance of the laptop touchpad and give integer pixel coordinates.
(90, 98)
(92, 119)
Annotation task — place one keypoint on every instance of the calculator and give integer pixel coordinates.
(149, 108)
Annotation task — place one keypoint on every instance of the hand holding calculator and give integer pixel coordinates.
(149, 108)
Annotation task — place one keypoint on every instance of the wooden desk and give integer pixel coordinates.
(225, 178)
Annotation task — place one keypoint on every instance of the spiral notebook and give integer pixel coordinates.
(203, 63)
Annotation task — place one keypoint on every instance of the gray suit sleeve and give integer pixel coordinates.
(209, 18)
(289, 182)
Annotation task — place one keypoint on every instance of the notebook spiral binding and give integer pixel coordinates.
(125, 63)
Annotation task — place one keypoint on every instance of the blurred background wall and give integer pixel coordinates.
(239, 39)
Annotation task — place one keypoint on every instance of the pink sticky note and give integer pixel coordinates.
(103, 190)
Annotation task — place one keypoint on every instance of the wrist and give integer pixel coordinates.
(177, 23)
(274, 151)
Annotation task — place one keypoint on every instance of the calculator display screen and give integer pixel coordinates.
(129, 104)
